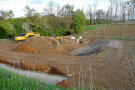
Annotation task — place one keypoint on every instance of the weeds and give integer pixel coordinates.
(14, 81)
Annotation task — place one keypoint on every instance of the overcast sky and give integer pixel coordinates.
(18, 5)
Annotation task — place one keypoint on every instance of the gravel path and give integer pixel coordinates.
(50, 79)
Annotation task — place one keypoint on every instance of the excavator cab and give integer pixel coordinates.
(57, 38)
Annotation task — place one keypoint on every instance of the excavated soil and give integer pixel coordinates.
(44, 45)
(63, 84)
(23, 48)
(47, 45)
(41, 42)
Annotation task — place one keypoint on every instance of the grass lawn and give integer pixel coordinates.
(12, 81)
(125, 39)
(91, 27)
(6, 40)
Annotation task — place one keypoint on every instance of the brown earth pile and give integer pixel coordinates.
(63, 84)
(41, 42)
(45, 45)
(23, 48)
(48, 45)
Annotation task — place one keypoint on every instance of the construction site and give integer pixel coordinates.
(98, 61)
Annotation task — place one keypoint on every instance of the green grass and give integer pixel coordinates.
(91, 27)
(6, 40)
(103, 53)
(12, 81)
(125, 39)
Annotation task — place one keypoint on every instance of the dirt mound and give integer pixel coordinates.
(23, 48)
(45, 45)
(56, 71)
(63, 84)
(42, 42)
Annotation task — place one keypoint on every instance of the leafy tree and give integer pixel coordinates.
(17, 25)
(7, 26)
(36, 18)
(79, 20)
(3, 33)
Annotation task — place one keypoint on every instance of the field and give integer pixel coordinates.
(112, 67)
(91, 27)
(113, 31)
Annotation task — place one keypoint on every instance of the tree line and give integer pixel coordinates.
(62, 19)
(53, 20)
(118, 11)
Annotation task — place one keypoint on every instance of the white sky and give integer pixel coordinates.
(18, 5)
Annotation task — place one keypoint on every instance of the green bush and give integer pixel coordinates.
(40, 29)
(14, 27)
(17, 25)
(7, 26)
(79, 21)
(59, 32)
(3, 33)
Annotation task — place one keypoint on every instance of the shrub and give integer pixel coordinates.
(17, 25)
(3, 33)
(7, 27)
(59, 32)
(79, 21)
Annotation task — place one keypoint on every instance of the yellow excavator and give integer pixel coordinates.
(57, 37)
(24, 36)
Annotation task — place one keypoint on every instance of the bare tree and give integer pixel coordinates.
(50, 9)
(67, 10)
(29, 11)
(116, 8)
(95, 7)
(100, 15)
(6, 14)
(58, 9)
(130, 7)
(123, 11)
(89, 13)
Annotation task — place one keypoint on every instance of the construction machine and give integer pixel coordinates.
(24, 36)
(57, 37)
